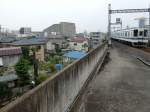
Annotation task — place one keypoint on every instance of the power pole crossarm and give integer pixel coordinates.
(129, 11)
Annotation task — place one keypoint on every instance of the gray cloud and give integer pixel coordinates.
(90, 15)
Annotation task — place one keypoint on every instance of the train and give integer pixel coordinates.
(137, 37)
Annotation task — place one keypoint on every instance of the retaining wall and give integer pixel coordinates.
(58, 93)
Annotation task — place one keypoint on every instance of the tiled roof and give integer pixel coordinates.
(31, 41)
(10, 51)
(78, 39)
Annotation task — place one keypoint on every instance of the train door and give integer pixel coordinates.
(146, 36)
(141, 37)
(135, 36)
(135, 33)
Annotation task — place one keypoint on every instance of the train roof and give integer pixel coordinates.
(133, 28)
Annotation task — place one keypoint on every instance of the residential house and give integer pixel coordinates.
(37, 43)
(9, 56)
(56, 41)
(6, 41)
(79, 44)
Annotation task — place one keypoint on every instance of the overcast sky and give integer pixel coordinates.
(90, 15)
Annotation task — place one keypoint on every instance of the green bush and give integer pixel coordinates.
(22, 68)
(5, 91)
(42, 65)
(41, 78)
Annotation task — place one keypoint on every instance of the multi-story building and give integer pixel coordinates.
(25, 30)
(63, 28)
(67, 29)
(96, 38)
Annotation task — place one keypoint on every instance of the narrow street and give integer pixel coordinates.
(123, 85)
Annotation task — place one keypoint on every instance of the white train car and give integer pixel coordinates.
(134, 36)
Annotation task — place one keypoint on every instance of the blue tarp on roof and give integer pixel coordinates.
(74, 54)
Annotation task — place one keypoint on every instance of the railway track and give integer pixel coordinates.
(142, 54)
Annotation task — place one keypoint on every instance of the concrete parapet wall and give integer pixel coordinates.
(57, 93)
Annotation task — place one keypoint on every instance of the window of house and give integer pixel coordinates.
(39, 47)
(84, 45)
(75, 44)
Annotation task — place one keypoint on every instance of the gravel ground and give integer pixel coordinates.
(123, 85)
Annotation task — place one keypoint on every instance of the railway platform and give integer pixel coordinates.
(123, 85)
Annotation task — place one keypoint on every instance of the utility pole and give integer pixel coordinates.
(109, 24)
(0, 30)
(149, 28)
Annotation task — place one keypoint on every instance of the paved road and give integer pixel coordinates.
(122, 86)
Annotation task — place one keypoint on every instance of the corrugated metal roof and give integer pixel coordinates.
(7, 39)
(7, 78)
(74, 54)
(10, 51)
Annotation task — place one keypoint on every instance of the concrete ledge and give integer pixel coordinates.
(56, 94)
(75, 104)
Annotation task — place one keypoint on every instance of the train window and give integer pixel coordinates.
(128, 34)
(145, 33)
(131, 33)
(125, 33)
(135, 33)
(141, 33)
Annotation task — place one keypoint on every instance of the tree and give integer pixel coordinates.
(21, 69)
(35, 62)
(25, 52)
